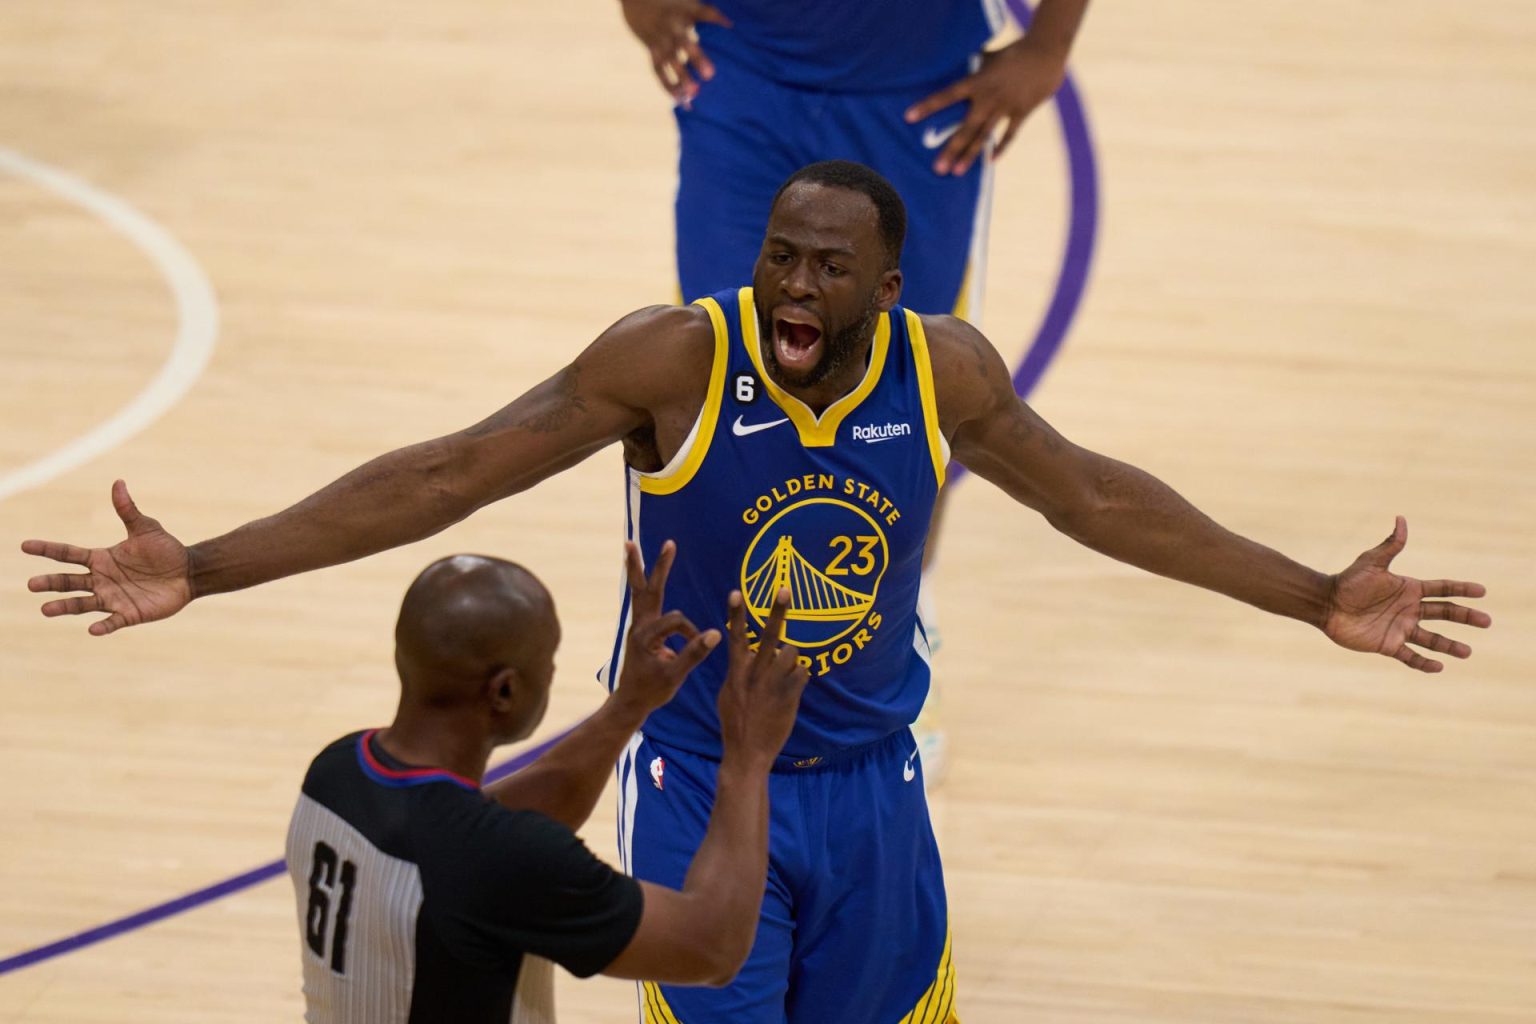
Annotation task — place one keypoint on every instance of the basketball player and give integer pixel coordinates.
(423, 898)
(764, 87)
(795, 433)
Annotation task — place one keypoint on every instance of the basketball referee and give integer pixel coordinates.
(422, 897)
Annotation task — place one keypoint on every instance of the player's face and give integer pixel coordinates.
(820, 282)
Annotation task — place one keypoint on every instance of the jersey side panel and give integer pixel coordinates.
(357, 909)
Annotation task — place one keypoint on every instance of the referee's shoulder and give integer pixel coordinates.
(337, 755)
(466, 839)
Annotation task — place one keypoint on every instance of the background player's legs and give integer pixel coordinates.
(736, 147)
(877, 876)
(669, 820)
(944, 213)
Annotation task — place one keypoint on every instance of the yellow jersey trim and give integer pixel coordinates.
(656, 1009)
(926, 392)
(815, 432)
(709, 417)
(937, 1005)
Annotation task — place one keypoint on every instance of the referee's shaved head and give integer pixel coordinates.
(470, 619)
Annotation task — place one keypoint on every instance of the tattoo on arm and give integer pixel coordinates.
(982, 363)
(1020, 429)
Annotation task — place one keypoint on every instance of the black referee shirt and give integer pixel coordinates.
(420, 899)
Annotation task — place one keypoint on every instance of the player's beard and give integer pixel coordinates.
(837, 348)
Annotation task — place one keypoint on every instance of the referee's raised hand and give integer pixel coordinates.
(140, 579)
(653, 671)
(761, 695)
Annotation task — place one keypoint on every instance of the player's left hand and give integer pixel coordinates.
(1374, 610)
(1010, 83)
(653, 671)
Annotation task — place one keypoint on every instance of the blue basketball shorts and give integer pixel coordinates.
(745, 135)
(854, 925)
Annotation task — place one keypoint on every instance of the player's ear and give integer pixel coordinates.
(890, 290)
(503, 689)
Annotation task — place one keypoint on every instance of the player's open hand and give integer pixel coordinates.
(1008, 86)
(666, 27)
(761, 695)
(140, 579)
(652, 670)
(1373, 609)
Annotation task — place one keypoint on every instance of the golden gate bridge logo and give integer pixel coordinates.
(813, 595)
(826, 600)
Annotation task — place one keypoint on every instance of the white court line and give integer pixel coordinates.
(196, 308)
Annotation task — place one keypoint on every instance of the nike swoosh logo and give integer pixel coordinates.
(908, 772)
(742, 430)
(933, 138)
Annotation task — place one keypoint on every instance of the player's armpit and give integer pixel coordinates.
(678, 942)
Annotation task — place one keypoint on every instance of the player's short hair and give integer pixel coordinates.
(889, 208)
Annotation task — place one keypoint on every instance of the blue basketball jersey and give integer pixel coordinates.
(854, 45)
(763, 495)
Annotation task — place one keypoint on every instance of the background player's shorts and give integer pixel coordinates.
(746, 134)
(854, 927)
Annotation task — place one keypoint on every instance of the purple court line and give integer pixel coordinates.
(218, 890)
(1082, 232)
(1073, 279)
(1070, 285)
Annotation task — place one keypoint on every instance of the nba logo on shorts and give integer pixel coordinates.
(658, 768)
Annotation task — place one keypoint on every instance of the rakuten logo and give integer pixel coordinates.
(884, 432)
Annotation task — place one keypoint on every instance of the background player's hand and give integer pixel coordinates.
(761, 695)
(1373, 609)
(1010, 83)
(140, 579)
(666, 27)
(652, 670)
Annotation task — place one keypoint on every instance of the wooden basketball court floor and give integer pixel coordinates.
(1312, 306)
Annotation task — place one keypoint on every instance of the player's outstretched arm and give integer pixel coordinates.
(702, 935)
(397, 498)
(1132, 516)
(566, 781)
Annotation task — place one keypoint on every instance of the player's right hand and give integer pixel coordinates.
(1008, 86)
(761, 695)
(653, 671)
(141, 579)
(666, 27)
